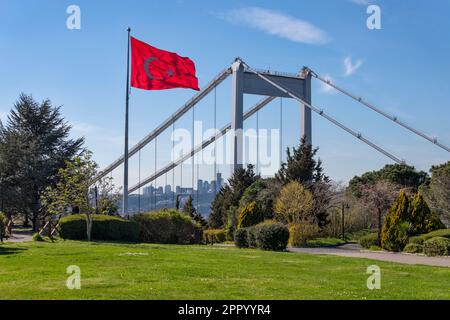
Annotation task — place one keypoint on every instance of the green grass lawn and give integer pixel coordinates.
(142, 271)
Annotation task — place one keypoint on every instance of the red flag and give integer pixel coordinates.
(155, 69)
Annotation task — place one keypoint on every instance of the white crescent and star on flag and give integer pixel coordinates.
(148, 72)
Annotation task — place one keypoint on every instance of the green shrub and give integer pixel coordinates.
(103, 228)
(38, 237)
(241, 238)
(168, 226)
(368, 240)
(3, 225)
(266, 236)
(212, 236)
(299, 234)
(445, 233)
(250, 215)
(272, 236)
(437, 246)
(413, 248)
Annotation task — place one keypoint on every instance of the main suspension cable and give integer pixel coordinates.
(324, 115)
(379, 111)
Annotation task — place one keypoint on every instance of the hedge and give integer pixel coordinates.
(266, 236)
(241, 238)
(368, 240)
(3, 224)
(168, 226)
(413, 248)
(103, 228)
(212, 236)
(437, 246)
(445, 233)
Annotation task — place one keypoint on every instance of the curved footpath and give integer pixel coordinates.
(354, 251)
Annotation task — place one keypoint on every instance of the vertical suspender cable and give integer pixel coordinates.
(156, 155)
(257, 142)
(215, 142)
(139, 191)
(281, 130)
(193, 146)
(173, 170)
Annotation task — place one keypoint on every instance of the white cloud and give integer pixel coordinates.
(351, 67)
(325, 88)
(361, 2)
(278, 24)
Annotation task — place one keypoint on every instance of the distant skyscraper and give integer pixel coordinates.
(200, 189)
(168, 189)
(218, 181)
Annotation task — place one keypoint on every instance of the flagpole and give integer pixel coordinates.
(125, 167)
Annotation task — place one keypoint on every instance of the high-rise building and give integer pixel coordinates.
(168, 189)
(200, 189)
(218, 181)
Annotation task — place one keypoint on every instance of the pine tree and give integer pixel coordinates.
(230, 195)
(422, 219)
(35, 144)
(190, 210)
(394, 236)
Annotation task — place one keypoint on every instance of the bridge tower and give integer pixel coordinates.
(245, 82)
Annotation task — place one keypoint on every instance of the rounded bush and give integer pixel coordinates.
(274, 236)
(103, 228)
(413, 248)
(3, 224)
(445, 233)
(437, 246)
(241, 238)
(212, 236)
(168, 226)
(369, 240)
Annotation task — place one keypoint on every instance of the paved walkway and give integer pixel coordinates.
(20, 235)
(354, 251)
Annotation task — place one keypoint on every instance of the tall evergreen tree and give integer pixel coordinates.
(301, 166)
(34, 145)
(190, 210)
(229, 195)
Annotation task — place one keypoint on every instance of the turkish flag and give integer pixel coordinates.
(156, 69)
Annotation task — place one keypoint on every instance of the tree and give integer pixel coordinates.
(250, 215)
(73, 190)
(264, 192)
(35, 144)
(190, 210)
(400, 174)
(422, 219)
(378, 198)
(303, 168)
(294, 204)
(229, 195)
(394, 235)
(437, 191)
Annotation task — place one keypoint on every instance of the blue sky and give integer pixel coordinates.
(402, 68)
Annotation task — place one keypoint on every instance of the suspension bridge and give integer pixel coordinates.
(247, 80)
